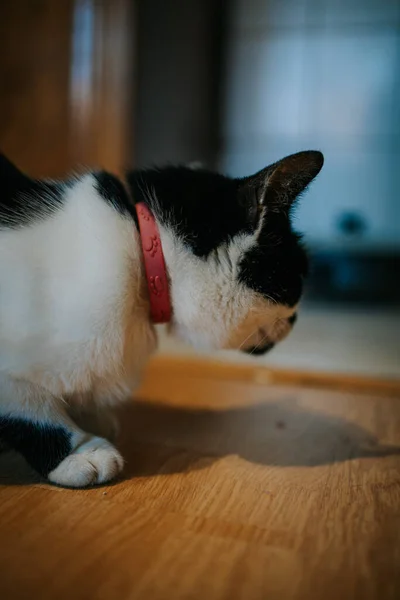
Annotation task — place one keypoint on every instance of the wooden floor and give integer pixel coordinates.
(233, 489)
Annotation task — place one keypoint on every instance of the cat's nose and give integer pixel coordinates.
(293, 318)
(259, 350)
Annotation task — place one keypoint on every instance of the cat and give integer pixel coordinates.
(75, 328)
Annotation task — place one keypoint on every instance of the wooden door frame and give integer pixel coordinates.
(101, 83)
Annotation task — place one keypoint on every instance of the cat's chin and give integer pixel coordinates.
(199, 340)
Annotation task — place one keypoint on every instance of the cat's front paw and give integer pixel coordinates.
(94, 462)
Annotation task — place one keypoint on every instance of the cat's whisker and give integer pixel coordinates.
(271, 299)
(245, 340)
(259, 344)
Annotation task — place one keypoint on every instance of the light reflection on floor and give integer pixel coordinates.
(341, 339)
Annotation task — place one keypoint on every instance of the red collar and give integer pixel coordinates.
(154, 264)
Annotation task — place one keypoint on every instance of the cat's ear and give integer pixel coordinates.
(196, 165)
(7, 168)
(278, 185)
(12, 180)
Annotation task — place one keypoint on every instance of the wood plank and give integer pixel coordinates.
(258, 373)
(232, 490)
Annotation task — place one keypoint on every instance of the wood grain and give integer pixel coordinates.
(232, 490)
(256, 372)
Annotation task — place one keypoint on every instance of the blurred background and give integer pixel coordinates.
(235, 85)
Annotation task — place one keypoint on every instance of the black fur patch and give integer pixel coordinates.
(24, 200)
(207, 209)
(43, 446)
(113, 192)
(201, 206)
(277, 265)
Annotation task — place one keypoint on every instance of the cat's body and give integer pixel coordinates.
(75, 331)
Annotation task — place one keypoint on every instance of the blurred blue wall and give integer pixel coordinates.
(324, 74)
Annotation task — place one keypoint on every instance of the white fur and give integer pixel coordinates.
(212, 309)
(74, 326)
(74, 318)
(69, 285)
(95, 461)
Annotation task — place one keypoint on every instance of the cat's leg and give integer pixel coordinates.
(96, 411)
(97, 418)
(36, 424)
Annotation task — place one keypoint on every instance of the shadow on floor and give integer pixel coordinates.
(159, 439)
(274, 434)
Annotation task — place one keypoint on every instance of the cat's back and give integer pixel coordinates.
(59, 257)
(67, 263)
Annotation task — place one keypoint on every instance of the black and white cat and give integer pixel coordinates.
(75, 329)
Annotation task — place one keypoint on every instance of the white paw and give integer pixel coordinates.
(95, 461)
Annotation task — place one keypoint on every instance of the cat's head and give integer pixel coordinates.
(235, 265)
